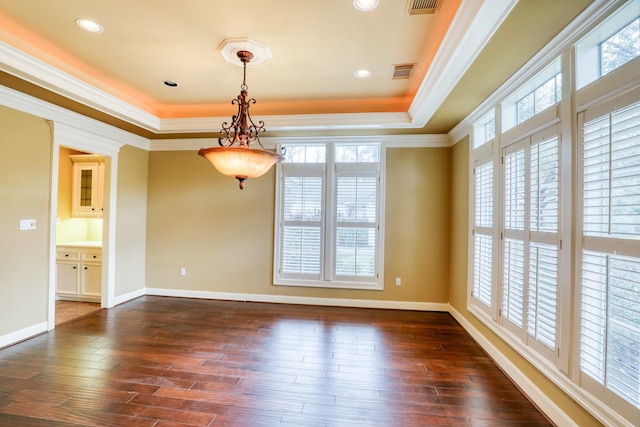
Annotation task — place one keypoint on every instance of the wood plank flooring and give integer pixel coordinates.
(70, 310)
(168, 362)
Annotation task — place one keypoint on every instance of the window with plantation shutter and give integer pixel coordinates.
(356, 224)
(554, 213)
(329, 216)
(530, 240)
(483, 234)
(302, 225)
(513, 281)
(610, 258)
(544, 215)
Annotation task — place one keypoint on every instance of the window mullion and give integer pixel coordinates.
(607, 327)
(610, 174)
(328, 260)
(526, 303)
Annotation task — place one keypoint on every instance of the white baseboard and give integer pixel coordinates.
(544, 403)
(285, 299)
(121, 299)
(23, 334)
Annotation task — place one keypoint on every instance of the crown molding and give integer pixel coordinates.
(35, 71)
(473, 26)
(104, 137)
(390, 141)
(32, 70)
(299, 122)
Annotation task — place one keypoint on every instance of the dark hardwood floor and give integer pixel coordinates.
(168, 362)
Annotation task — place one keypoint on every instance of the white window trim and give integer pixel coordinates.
(509, 106)
(329, 221)
(587, 50)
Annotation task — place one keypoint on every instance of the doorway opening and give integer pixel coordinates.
(79, 234)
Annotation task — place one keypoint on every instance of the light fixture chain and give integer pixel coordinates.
(244, 76)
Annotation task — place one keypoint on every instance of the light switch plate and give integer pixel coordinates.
(27, 224)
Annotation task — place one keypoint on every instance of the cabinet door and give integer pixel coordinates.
(86, 190)
(91, 280)
(67, 278)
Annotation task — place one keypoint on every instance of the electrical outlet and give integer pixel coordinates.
(183, 271)
(398, 281)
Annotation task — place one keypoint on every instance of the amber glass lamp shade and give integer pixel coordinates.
(241, 162)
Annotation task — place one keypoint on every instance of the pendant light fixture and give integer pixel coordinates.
(235, 157)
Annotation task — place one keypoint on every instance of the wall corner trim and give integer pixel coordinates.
(121, 299)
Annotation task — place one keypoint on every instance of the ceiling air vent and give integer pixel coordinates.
(402, 71)
(421, 7)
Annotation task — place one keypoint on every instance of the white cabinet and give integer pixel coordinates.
(79, 273)
(88, 186)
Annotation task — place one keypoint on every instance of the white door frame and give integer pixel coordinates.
(77, 138)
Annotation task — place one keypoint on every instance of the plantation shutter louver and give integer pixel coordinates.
(483, 239)
(302, 225)
(356, 225)
(610, 268)
(544, 216)
(513, 253)
(530, 241)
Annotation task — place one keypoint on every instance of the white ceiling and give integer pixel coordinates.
(308, 84)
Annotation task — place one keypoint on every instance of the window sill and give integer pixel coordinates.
(367, 286)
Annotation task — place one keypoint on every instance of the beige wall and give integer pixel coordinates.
(200, 220)
(459, 224)
(458, 286)
(131, 219)
(417, 223)
(25, 187)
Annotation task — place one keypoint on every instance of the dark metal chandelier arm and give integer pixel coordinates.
(255, 129)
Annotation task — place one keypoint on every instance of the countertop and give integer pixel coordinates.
(81, 244)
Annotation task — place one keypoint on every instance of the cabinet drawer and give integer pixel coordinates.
(91, 256)
(65, 253)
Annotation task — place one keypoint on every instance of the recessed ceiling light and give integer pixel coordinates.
(365, 5)
(170, 83)
(362, 74)
(89, 25)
